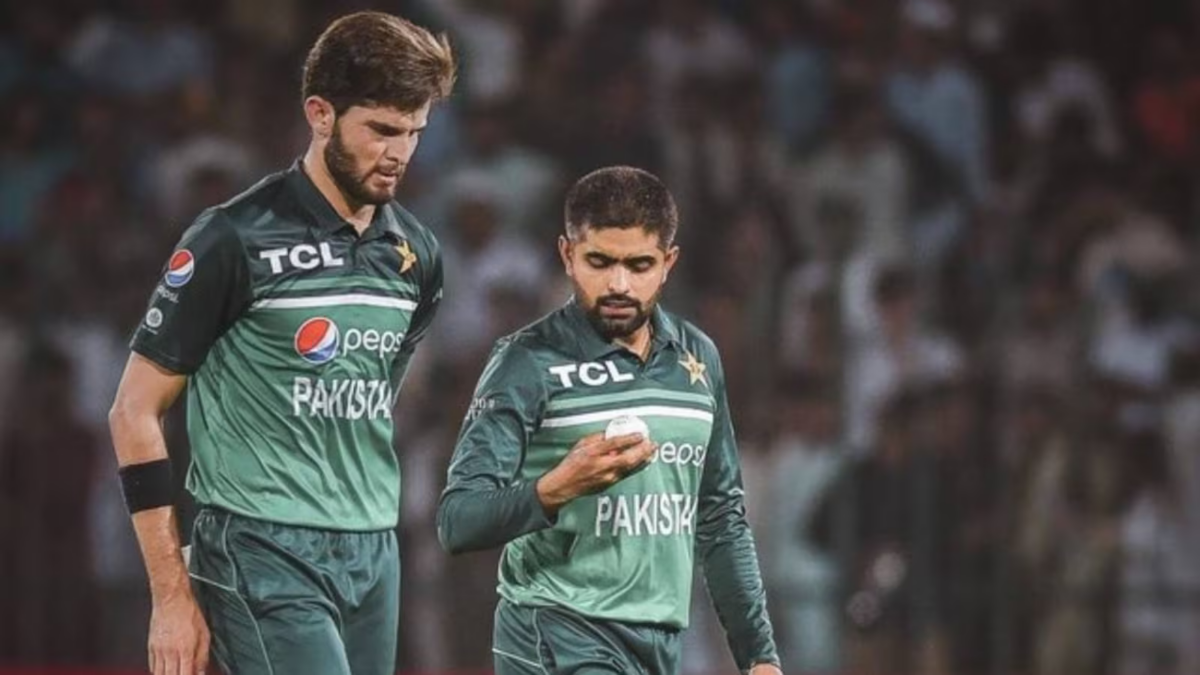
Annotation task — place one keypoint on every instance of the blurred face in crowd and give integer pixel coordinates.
(618, 275)
(366, 149)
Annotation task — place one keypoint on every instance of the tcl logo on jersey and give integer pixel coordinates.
(318, 339)
(592, 374)
(303, 257)
(180, 268)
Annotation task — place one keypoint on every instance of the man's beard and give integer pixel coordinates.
(353, 186)
(611, 328)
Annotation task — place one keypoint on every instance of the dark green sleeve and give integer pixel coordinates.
(725, 546)
(198, 300)
(484, 505)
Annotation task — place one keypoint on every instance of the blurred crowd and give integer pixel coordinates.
(948, 250)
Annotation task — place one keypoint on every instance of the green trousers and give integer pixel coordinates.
(556, 641)
(284, 600)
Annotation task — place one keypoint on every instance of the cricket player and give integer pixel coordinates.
(601, 536)
(291, 313)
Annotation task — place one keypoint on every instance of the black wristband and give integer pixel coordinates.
(147, 485)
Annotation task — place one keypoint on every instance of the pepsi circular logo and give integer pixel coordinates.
(317, 340)
(180, 268)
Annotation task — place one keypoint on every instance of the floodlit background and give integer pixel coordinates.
(948, 250)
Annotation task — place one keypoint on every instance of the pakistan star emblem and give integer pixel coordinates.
(695, 369)
(407, 257)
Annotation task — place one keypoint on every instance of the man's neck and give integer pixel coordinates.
(638, 342)
(358, 215)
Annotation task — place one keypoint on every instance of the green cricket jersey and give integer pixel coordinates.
(295, 332)
(625, 554)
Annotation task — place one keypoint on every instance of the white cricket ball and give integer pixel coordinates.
(626, 424)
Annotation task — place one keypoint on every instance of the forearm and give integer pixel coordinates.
(138, 439)
(158, 538)
(730, 563)
(471, 519)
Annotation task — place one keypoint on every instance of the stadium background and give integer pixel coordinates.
(948, 250)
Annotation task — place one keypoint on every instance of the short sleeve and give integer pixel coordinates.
(204, 287)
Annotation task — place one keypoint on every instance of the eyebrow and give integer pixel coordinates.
(596, 256)
(389, 129)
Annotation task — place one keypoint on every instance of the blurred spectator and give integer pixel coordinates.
(1135, 340)
(880, 605)
(1055, 79)
(797, 80)
(936, 98)
(1036, 459)
(1167, 100)
(1077, 633)
(1157, 634)
(1042, 348)
(491, 44)
(688, 40)
(144, 48)
(524, 182)
(197, 160)
(803, 520)
(903, 354)
(32, 159)
(862, 166)
(479, 257)
(1181, 430)
(615, 131)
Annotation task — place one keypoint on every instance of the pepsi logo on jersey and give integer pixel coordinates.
(180, 268)
(318, 339)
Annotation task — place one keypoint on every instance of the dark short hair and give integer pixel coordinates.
(621, 197)
(377, 59)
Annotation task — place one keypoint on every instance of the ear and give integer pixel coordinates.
(320, 115)
(564, 252)
(669, 261)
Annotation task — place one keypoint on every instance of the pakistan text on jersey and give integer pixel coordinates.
(659, 514)
(350, 399)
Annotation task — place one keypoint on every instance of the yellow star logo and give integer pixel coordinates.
(407, 257)
(695, 369)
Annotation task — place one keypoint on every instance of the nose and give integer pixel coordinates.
(618, 280)
(401, 148)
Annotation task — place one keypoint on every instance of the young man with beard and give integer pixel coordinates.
(291, 313)
(601, 535)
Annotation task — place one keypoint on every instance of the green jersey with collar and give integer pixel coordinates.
(295, 332)
(627, 553)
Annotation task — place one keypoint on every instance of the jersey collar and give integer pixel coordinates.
(593, 347)
(383, 224)
(666, 330)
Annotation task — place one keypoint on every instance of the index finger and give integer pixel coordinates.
(620, 443)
